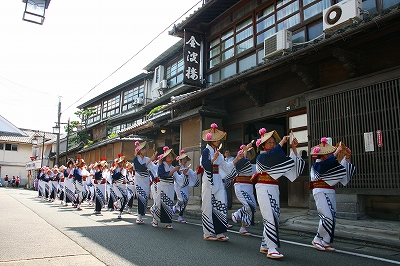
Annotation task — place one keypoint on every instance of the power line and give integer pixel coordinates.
(14, 88)
(131, 57)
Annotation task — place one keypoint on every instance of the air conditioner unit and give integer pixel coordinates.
(342, 13)
(163, 84)
(158, 76)
(138, 101)
(277, 43)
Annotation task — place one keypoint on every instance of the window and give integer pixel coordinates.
(231, 42)
(247, 63)
(314, 30)
(315, 8)
(118, 128)
(111, 106)
(287, 15)
(229, 45)
(175, 73)
(244, 35)
(129, 97)
(1, 146)
(11, 147)
(96, 116)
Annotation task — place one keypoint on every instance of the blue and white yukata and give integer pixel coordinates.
(100, 178)
(130, 187)
(60, 189)
(119, 179)
(40, 183)
(54, 186)
(80, 174)
(182, 193)
(69, 185)
(155, 192)
(270, 165)
(46, 186)
(90, 187)
(324, 176)
(112, 197)
(213, 194)
(142, 182)
(166, 191)
(244, 191)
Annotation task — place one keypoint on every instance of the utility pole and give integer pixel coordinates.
(58, 133)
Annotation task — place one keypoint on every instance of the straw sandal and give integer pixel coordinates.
(318, 246)
(275, 255)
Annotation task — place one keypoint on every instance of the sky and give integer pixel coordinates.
(71, 56)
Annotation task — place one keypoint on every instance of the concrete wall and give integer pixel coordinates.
(349, 206)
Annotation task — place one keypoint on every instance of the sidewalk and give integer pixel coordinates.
(298, 220)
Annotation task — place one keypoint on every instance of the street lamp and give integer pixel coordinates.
(34, 10)
(35, 141)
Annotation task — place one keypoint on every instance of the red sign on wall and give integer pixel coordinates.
(379, 138)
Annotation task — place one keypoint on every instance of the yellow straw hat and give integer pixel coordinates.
(251, 153)
(183, 155)
(266, 135)
(322, 148)
(120, 158)
(140, 146)
(213, 134)
(80, 162)
(167, 151)
(129, 165)
(103, 162)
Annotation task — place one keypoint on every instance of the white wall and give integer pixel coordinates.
(13, 162)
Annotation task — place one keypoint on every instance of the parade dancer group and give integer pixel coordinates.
(116, 187)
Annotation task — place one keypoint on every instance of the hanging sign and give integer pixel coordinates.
(369, 141)
(191, 58)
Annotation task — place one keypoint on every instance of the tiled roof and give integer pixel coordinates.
(4, 137)
(9, 129)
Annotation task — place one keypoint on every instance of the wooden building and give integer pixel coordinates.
(288, 65)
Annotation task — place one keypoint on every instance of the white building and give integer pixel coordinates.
(18, 155)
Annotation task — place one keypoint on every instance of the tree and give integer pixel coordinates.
(74, 130)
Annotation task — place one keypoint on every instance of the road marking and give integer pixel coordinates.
(311, 246)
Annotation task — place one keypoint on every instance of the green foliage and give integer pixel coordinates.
(155, 110)
(89, 143)
(112, 135)
(85, 114)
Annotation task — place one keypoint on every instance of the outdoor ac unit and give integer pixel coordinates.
(163, 84)
(158, 76)
(342, 13)
(138, 101)
(277, 43)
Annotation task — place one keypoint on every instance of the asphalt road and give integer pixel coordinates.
(36, 232)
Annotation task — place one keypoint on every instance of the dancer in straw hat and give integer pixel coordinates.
(54, 179)
(130, 185)
(213, 194)
(332, 165)
(168, 175)
(69, 182)
(271, 164)
(154, 190)
(244, 189)
(142, 177)
(80, 173)
(118, 176)
(61, 184)
(100, 178)
(182, 193)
